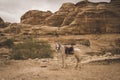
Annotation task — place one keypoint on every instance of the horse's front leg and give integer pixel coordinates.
(64, 56)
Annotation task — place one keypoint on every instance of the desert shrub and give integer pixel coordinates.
(7, 43)
(117, 42)
(113, 50)
(31, 49)
(85, 42)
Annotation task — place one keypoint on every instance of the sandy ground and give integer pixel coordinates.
(50, 69)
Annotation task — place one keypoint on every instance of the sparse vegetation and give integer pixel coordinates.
(113, 50)
(7, 43)
(31, 49)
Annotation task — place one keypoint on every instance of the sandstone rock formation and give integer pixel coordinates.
(1, 23)
(89, 17)
(35, 17)
(58, 17)
(83, 17)
(20, 32)
(116, 3)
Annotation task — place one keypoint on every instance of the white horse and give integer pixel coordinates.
(76, 51)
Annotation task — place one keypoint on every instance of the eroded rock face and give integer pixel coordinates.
(1, 23)
(35, 17)
(83, 17)
(58, 17)
(93, 18)
(69, 18)
(86, 17)
(116, 3)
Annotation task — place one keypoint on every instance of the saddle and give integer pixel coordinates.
(69, 50)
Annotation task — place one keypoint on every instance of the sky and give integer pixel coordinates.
(12, 10)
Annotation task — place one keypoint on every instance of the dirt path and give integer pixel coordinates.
(51, 70)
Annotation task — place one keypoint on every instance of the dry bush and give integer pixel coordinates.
(113, 50)
(31, 49)
(6, 43)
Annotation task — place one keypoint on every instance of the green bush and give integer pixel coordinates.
(31, 49)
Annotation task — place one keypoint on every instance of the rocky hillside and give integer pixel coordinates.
(35, 17)
(116, 3)
(81, 18)
(2, 23)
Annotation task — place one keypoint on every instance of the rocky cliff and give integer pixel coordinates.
(35, 17)
(57, 19)
(116, 3)
(1, 23)
(83, 17)
(90, 17)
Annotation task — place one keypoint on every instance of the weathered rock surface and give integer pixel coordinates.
(116, 3)
(89, 17)
(35, 17)
(58, 17)
(83, 17)
(1, 23)
(19, 32)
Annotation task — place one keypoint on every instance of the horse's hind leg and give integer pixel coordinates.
(77, 63)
